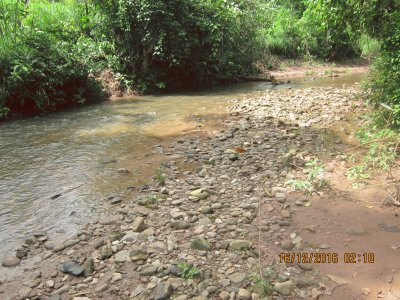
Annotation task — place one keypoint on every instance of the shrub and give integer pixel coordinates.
(40, 74)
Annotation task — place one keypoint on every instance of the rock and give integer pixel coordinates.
(139, 225)
(21, 253)
(200, 194)
(24, 292)
(200, 243)
(287, 245)
(180, 225)
(107, 221)
(10, 261)
(116, 277)
(305, 267)
(115, 200)
(106, 252)
(138, 290)
(305, 282)
(88, 267)
(71, 243)
(207, 210)
(284, 288)
(50, 283)
(237, 278)
(71, 267)
(244, 295)
(81, 298)
(205, 221)
(55, 297)
(49, 245)
(122, 256)
(224, 295)
(62, 289)
(163, 291)
(239, 245)
(98, 243)
(366, 291)
(58, 247)
(137, 255)
(101, 288)
(149, 270)
(123, 171)
(131, 237)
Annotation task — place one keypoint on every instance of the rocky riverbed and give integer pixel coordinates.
(207, 231)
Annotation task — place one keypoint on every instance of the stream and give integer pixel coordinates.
(58, 171)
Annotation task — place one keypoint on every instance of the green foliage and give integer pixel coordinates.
(188, 271)
(160, 177)
(314, 180)
(40, 67)
(299, 184)
(262, 283)
(181, 43)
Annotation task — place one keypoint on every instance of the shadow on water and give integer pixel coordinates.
(64, 153)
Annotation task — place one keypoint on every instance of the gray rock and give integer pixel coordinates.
(180, 224)
(284, 288)
(200, 243)
(10, 261)
(239, 245)
(55, 297)
(305, 282)
(102, 288)
(63, 289)
(237, 278)
(58, 247)
(21, 253)
(139, 254)
(131, 237)
(122, 256)
(139, 225)
(98, 243)
(205, 221)
(88, 267)
(71, 267)
(24, 292)
(233, 157)
(49, 245)
(149, 270)
(244, 295)
(305, 267)
(71, 243)
(207, 210)
(163, 291)
(106, 252)
(287, 245)
(107, 221)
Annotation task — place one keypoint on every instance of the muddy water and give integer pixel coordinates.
(57, 171)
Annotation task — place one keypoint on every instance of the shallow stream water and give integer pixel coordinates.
(57, 171)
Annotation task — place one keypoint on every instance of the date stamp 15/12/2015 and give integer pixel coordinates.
(327, 257)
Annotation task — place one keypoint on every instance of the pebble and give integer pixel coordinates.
(163, 291)
(10, 261)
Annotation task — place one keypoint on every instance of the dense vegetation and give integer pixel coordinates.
(51, 52)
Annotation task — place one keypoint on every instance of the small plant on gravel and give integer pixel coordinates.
(262, 283)
(314, 180)
(188, 271)
(160, 177)
(299, 184)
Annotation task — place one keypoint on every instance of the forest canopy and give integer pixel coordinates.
(52, 52)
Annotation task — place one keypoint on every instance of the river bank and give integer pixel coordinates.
(224, 208)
